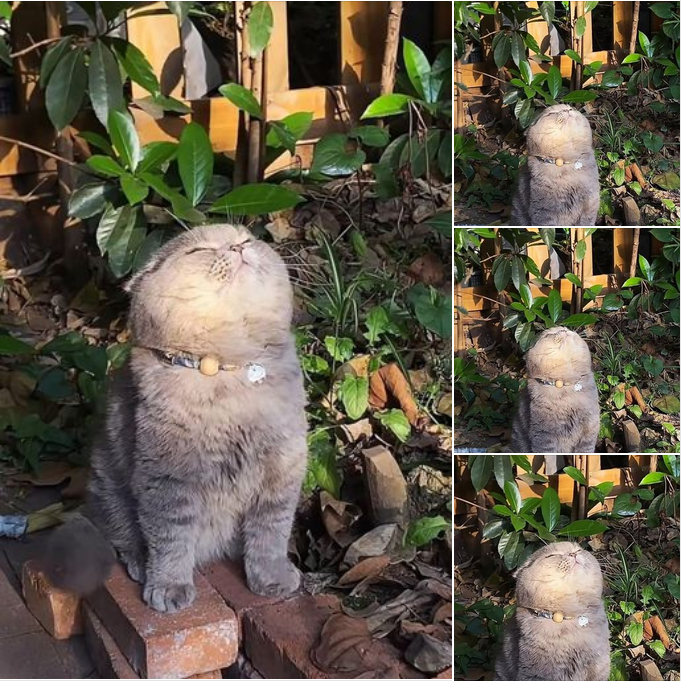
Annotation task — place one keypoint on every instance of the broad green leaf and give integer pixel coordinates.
(588, 6)
(502, 51)
(672, 462)
(493, 529)
(518, 523)
(396, 421)
(580, 320)
(502, 272)
(583, 528)
(124, 139)
(652, 479)
(555, 305)
(550, 508)
(522, 461)
(155, 155)
(575, 474)
(339, 348)
(354, 394)
(512, 495)
(370, 135)
(529, 505)
(242, 98)
(444, 155)
(421, 153)
(124, 241)
(526, 295)
(52, 57)
(580, 26)
(548, 11)
(179, 9)
(503, 470)
(334, 155)
(97, 141)
(481, 469)
(259, 25)
(419, 71)
(554, 82)
(256, 199)
(297, 124)
(181, 208)
(645, 44)
(89, 200)
(518, 48)
(136, 65)
(631, 58)
(442, 222)
(612, 302)
(645, 268)
(626, 505)
(323, 465)
(658, 647)
(108, 223)
(502, 511)
(424, 530)
(524, 335)
(432, 309)
(9, 345)
(66, 88)
(633, 281)
(517, 272)
(580, 96)
(526, 71)
(105, 85)
(387, 105)
(195, 162)
(573, 279)
(574, 56)
(135, 190)
(580, 250)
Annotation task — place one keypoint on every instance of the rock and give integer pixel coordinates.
(376, 542)
(632, 215)
(649, 671)
(386, 487)
(632, 438)
(429, 654)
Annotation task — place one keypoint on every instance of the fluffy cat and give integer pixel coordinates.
(558, 412)
(197, 462)
(559, 631)
(559, 183)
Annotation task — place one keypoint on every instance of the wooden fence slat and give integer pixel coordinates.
(363, 28)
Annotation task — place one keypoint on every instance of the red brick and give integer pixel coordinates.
(279, 637)
(446, 674)
(199, 639)
(57, 610)
(107, 656)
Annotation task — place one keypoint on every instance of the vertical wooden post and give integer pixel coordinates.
(622, 243)
(362, 30)
(622, 15)
(277, 69)
(392, 43)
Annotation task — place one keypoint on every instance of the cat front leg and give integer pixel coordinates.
(169, 519)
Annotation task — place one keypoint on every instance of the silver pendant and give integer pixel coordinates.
(578, 387)
(583, 621)
(256, 373)
(578, 165)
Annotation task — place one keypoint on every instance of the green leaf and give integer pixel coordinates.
(259, 24)
(573, 279)
(511, 550)
(125, 239)
(377, 323)
(256, 199)
(432, 309)
(66, 88)
(583, 528)
(323, 464)
(179, 9)
(195, 162)
(618, 399)
(580, 26)
(493, 529)
(645, 44)
(93, 359)
(575, 474)
(626, 505)
(108, 223)
(550, 508)
(503, 470)
(296, 125)
(580, 250)
(513, 495)
(370, 135)
(652, 479)
(517, 272)
(125, 140)
(502, 511)
(14, 346)
(155, 155)
(663, 234)
(387, 105)
(612, 302)
(645, 268)
(354, 394)
(421, 154)
(135, 190)
(424, 530)
(242, 98)
(419, 71)
(580, 96)
(524, 336)
(97, 141)
(672, 462)
(548, 11)
(574, 56)
(554, 82)
(105, 85)
(502, 272)
(555, 305)
(314, 364)
(518, 523)
(631, 58)
(181, 208)
(89, 200)
(54, 385)
(658, 647)
(580, 320)
(635, 632)
(442, 222)
(661, 9)
(137, 67)
(588, 6)
(633, 281)
(339, 348)
(481, 469)
(518, 48)
(333, 156)
(526, 71)
(52, 57)
(396, 421)
(502, 51)
(526, 295)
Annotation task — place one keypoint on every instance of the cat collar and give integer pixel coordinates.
(209, 365)
(558, 383)
(559, 161)
(557, 616)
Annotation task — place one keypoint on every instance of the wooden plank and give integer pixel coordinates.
(277, 55)
(158, 36)
(33, 128)
(622, 243)
(622, 16)
(363, 28)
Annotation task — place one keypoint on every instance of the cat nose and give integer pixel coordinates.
(237, 247)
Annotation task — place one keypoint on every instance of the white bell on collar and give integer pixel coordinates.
(256, 373)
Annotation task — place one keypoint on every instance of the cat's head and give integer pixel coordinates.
(212, 289)
(559, 353)
(559, 131)
(559, 576)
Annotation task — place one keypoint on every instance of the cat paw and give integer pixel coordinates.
(168, 597)
(272, 578)
(134, 566)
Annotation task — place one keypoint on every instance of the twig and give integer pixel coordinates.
(33, 268)
(634, 27)
(483, 73)
(634, 252)
(34, 46)
(392, 41)
(38, 150)
(470, 503)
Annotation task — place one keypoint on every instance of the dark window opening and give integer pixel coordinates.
(602, 244)
(601, 27)
(313, 43)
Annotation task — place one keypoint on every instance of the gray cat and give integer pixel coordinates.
(558, 412)
(559, 631)
(559, 183)
(204, 447)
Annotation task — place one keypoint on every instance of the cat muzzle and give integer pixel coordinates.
(556, 616)
(559, 161)
(558, 383)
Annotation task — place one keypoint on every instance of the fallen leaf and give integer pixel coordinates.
(51, 473)
(338, 517)
(668, 180)
(370, 567)
(376, 542)
(342, 643)
(429, 269)
(429, 654)
(654, 626)
(388, 385)
(667, 404)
